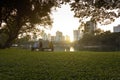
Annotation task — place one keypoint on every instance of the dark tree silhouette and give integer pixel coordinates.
(103, 11)
(21, 15)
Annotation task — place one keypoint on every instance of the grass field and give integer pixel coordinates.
(19, 64)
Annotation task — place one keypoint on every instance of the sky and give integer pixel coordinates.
(64, 21)
(110, 26)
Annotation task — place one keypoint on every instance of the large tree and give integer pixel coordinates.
(21, 15)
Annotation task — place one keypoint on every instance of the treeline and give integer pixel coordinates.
(106, 41)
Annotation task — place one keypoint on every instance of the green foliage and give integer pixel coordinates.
(22, 15)
(99, 10)
(23, 40)
(105, 41)
(3, 38)
(18, 64)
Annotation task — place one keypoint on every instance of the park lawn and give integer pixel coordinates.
(20, 64)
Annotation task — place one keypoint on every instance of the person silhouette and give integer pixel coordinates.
(51, 46)
(40, 45)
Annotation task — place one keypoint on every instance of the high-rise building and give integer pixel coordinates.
(76, 34)
(59, 36)
(63, 38)
(49, 37)
(44, 36)
(90, 26)
(67, 38)
(116, 28)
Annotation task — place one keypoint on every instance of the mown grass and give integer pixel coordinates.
(19, 64)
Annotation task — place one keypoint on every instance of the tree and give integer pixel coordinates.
(103, 11)
(98, 31)
(23, 40)
(21, 15)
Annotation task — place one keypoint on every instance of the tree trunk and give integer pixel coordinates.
(9, 41)
(13, 33)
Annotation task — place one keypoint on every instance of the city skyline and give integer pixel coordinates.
(64, 21)
(58, 37)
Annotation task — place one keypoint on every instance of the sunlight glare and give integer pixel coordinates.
(64, 21)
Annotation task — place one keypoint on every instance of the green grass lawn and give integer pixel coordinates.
(19, 64)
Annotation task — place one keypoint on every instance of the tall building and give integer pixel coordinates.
(90, 26)
(116, 28)
(76, 35)
(63, 38)
(59, 36)
(67, 38)
(44, 36)
(49, 37)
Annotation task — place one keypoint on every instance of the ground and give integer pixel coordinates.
(19, 64)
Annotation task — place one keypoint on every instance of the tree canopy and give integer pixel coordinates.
(103, 11)
(105, 41)
(22, 15)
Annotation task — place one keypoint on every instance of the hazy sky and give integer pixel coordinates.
(110, 26)
(66, 23)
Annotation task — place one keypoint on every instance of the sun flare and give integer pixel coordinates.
(64, 21)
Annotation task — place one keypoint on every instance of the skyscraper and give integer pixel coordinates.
(116, 28)
(59, 36)
(76, 34)
(90, 26)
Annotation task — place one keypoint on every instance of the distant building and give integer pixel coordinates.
(63, 38)
(90, 27)
(76, 35)
(44, 36)
(67, 38)
(59, 36)
(49, 37)
(116, 28)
